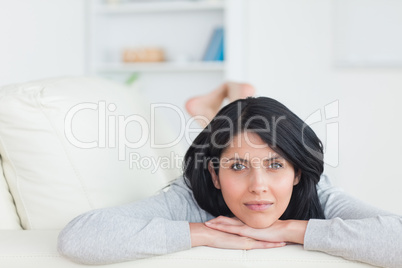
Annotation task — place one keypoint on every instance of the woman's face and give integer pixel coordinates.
(255, 181)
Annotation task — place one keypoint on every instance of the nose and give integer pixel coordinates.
(258, 183)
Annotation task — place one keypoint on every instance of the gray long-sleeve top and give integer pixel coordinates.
(160, 225)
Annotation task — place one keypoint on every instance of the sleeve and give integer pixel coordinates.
(154, 226)
(355, 230)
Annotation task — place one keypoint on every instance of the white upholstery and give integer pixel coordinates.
(37, 248)
(52, 180)
(9, 219)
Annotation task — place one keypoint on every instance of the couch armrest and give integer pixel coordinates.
(36, 248)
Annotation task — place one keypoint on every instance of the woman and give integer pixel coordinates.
(251, 180)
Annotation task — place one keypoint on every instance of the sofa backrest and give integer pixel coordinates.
(69, 145)
(9, 219)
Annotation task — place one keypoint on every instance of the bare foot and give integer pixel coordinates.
(205, 107)
(237, 91)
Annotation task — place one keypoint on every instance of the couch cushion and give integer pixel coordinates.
(9, 219)
(64, 144)
(25, 248)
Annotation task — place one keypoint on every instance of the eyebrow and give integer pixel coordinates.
(246, 161)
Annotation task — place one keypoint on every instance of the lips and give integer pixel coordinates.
(258, 205)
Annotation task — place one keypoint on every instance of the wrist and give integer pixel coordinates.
(199, 234)
(295, 231)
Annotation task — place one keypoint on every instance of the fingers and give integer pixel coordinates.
(261, 244)
(226, 220)
(226, 227)
(247, 243)
(273, 234)
(236, 227)
(231, 237)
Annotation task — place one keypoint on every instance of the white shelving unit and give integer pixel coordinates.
(183, 29)
(163, 67)
(169, 6)
(149, 24)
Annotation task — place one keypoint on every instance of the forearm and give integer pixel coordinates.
(376, 240)
(101, 237)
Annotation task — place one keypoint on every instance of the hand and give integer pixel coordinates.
(201, 235)
(289, 230)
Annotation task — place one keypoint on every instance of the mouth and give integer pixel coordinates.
(258, 205)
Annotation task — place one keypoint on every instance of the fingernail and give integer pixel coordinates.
(208, 223)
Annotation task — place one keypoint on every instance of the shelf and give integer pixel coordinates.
(168, 6)
(163, 67)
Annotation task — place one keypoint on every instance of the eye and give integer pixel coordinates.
(275, 165)
(238, 166)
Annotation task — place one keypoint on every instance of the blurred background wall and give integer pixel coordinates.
(41, 38)
(336, 63)
(293, 55)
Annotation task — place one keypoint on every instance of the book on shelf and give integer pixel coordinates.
(215, 48)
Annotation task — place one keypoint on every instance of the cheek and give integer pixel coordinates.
(284, 192)
(231, 189)
(226, 180)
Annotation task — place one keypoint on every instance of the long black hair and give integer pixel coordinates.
(282, 130)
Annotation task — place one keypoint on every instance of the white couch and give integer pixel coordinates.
(63, 152)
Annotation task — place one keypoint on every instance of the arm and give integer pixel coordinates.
(154, 226)
(166, 223)
(354, 230)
